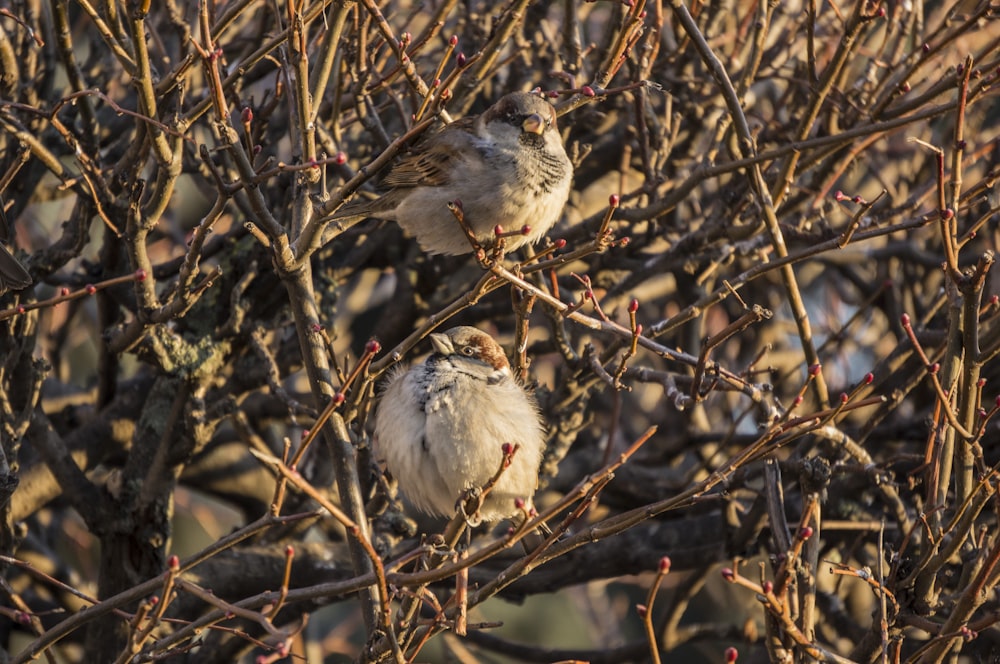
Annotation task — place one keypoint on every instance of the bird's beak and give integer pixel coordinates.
(533, 124)
(442, 344)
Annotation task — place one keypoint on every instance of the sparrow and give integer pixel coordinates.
(507, 167)
(441, 426)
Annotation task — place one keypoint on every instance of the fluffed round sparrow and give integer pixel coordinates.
(508, 167)
(441, 427)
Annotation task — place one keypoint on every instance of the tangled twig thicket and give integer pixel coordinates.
(763, 335)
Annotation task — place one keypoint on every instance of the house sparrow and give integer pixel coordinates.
(508, 167)
(441, 426)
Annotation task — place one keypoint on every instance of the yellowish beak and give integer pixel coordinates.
(442, 344)
(533, 124)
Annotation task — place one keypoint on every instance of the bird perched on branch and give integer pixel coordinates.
(442, 425)
(507, 167)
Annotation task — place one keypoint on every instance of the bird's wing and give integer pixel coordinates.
(429, 163)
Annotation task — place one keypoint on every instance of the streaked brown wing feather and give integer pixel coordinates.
(429, 162)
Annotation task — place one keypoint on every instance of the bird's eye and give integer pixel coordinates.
(468, 350)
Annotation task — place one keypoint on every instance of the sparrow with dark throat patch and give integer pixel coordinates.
(507, 166)
(441, 426)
